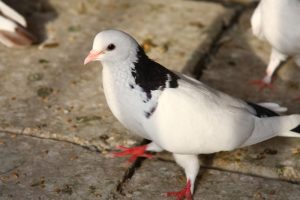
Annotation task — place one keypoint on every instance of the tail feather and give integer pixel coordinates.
(296, 129)
(290, 126)
(266, 128)
(273, 106)
(262, 111)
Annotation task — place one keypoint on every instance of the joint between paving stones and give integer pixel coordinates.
(209, 167)
(251, 175)
(129, 173)
(12, 169)
(92, 148)
(207, 56)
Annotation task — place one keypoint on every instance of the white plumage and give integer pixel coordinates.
(178, 113)
(277, 21)
(13, 31)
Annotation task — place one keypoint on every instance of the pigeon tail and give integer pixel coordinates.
(296, 130)
(294, 123)
(273, 107)
(266, 128)
(263, 110)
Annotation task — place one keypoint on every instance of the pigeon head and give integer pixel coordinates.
(112, 46)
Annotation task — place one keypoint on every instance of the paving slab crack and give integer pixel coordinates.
(129, 173)
(251, 175)
(207, 167)
(12, 169)
(207, 56)
(87, 147)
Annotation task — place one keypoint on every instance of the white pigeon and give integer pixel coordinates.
(13, 31)
(177, 113)
(277, 22)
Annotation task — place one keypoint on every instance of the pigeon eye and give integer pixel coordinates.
(111, 47)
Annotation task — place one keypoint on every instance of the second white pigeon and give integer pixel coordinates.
(178, 113)
(277, 22)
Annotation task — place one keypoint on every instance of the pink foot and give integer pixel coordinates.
(184, 193)
(134, 152)
(262, 84)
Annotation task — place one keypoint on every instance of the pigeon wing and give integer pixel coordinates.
(12, 14)
(192, 119)
(13, 34)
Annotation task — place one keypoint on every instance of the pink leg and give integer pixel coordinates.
(275, 61)
(184, 193)
(133, 152)
(263, 83)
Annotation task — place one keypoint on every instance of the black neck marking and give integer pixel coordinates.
(150, 75)
(261, 111)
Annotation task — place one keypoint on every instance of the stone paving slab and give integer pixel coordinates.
(34, 168)
(242, 58)
(277, 158)
(155, 178)
(46, 91)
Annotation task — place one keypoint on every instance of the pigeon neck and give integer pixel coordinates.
(151, 76)
(138, 71)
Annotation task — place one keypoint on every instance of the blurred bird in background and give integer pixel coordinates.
(277, 22)
(13, 28)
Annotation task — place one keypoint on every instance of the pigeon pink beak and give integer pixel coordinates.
(93, 55)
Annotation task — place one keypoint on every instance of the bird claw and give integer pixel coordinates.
(184, 193)
(134, 152)
(262, 85)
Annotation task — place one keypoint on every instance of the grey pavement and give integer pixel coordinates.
(56, 130)
(33, 168)
(212, 184)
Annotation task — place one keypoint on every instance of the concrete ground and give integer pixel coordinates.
(56, 130)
